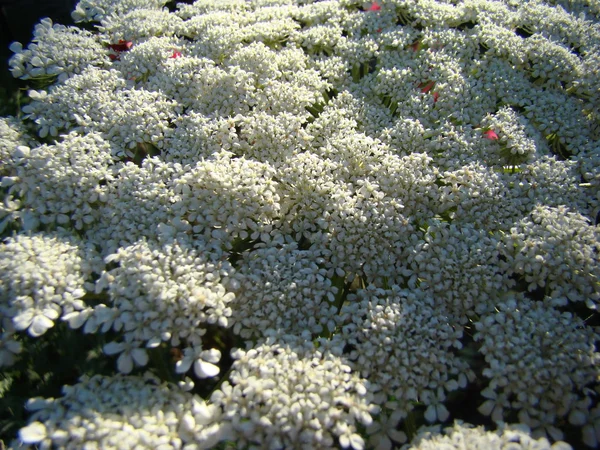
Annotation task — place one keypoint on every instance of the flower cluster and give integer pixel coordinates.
(161, 292)
(62, 183)
(369, 179)
(124, 412)
(289, 392)
(97, 10)
(403, 346)
(514, 145)
(282, 287)
(539, 362)
(44, 277)
(557, 250)
(78, 49)
(463, 435)
(458, 266)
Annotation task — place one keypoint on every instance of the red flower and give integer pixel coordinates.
(416, 46)
(491, 135)
(176, 54)
(121, 46)
(436, 95)
(374, 7)
(426, 86)
(379, 30)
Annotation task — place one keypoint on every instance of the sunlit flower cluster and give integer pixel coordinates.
(391, 206)
(540, 363)
(123, 412)
(289, 392)
(42, 278)
(464, 435)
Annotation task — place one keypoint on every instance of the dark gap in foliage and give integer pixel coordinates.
(361, 70)
(463, 403)
(302, 23)
(239, 247)
(142, 151)
(173, 4)
(466, 25)
(403, 17)
(43, 368)
(558, 149)
(524, 31)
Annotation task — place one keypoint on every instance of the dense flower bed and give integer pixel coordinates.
(382, 210)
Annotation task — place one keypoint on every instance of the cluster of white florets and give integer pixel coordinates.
(62, 183)
(290, 392)
(79, 49)
(557, 250)
(161, 292)
(375, 175)
(282, 287)
(403, 346)
(540, 363)
(123, 412)
(42, 278)
(466, 436)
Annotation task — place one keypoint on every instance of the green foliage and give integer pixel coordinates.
(47, 363)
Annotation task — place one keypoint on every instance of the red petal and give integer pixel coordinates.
(121, 46)
(491, 135)
(427, 86)
(374, 7)
(436, 95)
(176, 54)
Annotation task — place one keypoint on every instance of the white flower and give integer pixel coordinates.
(202, 360)
(130, 353)
(33, 433)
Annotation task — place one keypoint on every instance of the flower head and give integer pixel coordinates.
(491, 135)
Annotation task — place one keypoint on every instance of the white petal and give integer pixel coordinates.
(442, 412)
(397, 436)
(577, 418)
(357, 442)
(51, 312)
(77, 318)
(112, 348)
(430, 414)
(32, 433)
(212, 356)
(16, 47)
(23, 320)
(140, 356)
(39, 325)
(183, 365)
(201, 412)
(205, 369)
(125, 363)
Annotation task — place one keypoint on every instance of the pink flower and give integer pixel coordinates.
(121, 46)
(176, 54)
(374, 7)
(426, 86)
(491, 135)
